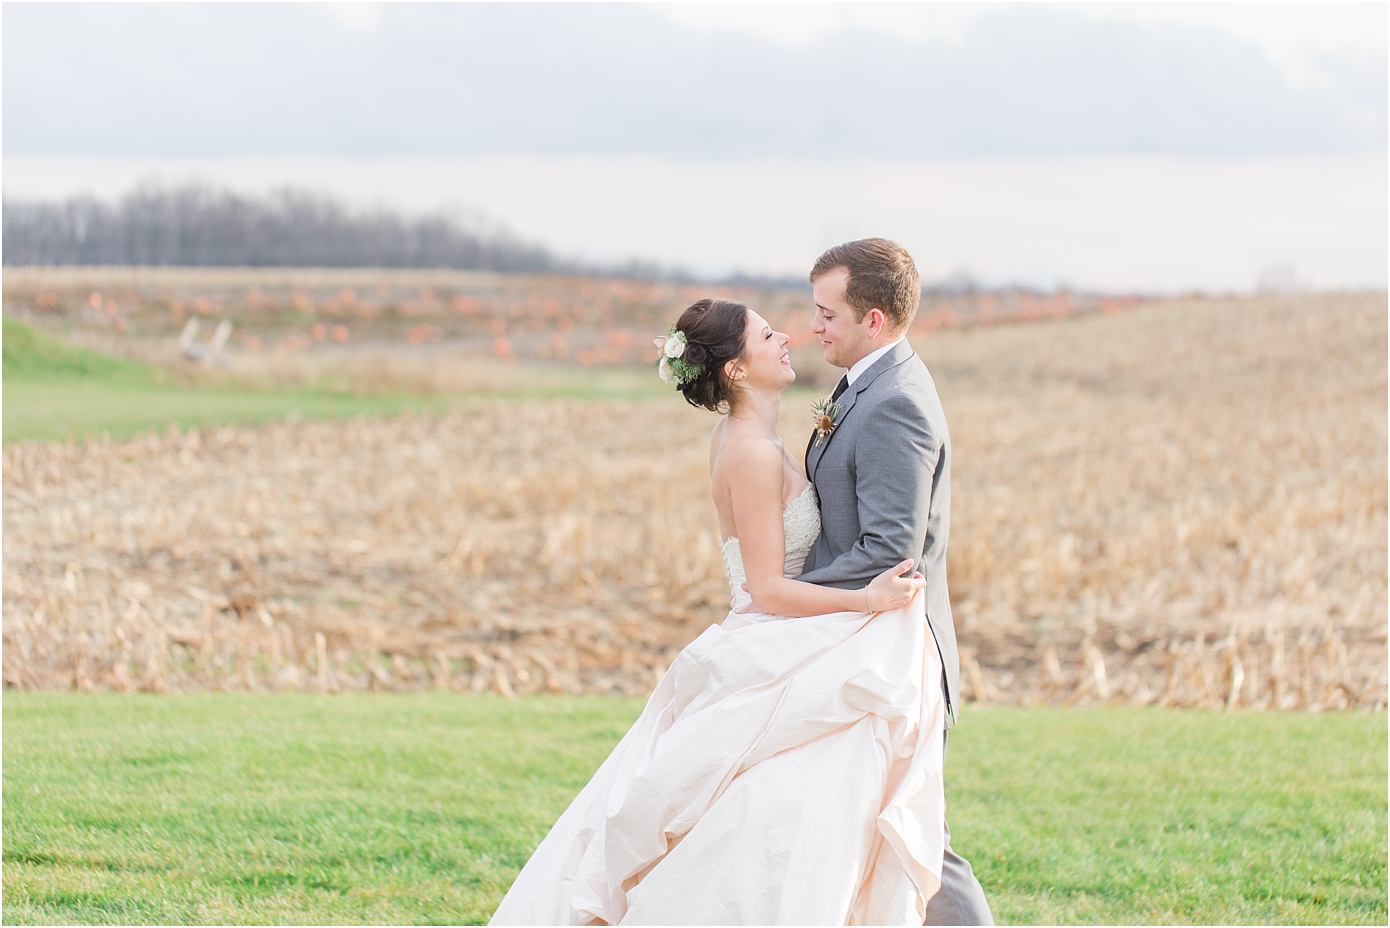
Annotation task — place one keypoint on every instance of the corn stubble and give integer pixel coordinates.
(1183, 504)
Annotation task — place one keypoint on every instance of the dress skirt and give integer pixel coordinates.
(786, 771)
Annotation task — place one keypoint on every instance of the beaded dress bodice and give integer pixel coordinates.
(800, 527)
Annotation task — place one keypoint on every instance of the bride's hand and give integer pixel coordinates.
(891, 590)
(747, 607)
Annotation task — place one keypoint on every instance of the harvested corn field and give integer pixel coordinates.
(1182, 504)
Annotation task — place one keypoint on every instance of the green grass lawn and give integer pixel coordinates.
(58, 391)
(1151, 816)
(420, 808)
(84, 408)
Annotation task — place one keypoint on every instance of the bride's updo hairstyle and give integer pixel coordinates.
(714, 332)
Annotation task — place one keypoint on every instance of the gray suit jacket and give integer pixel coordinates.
(883, 477)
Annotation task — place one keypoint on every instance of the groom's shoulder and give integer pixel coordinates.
(908, 387)
(910, 378)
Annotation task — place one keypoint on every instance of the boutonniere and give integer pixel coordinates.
(826, 414)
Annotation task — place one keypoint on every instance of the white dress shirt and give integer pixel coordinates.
(868, 360)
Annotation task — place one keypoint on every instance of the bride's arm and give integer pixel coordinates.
(756, 498)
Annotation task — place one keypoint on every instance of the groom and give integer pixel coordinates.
(883, 474)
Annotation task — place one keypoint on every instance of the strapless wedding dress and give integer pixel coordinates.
(786, 771)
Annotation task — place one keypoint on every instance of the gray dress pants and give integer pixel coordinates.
(960, 901)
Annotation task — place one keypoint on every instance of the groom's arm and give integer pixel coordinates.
(895, 459)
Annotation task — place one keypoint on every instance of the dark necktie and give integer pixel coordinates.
(840, 388)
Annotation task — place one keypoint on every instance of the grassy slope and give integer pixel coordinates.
(420, 808)
(59, 391)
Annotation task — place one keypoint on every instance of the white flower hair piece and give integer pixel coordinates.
(672, 367)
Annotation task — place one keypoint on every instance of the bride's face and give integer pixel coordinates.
(766, 362)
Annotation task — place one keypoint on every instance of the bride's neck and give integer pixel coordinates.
(758, 408)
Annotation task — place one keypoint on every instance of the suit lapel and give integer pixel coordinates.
(846, 404)
(900, 353)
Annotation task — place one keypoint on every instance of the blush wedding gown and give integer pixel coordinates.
(784, 771)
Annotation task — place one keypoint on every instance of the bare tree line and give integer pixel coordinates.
(197, 226)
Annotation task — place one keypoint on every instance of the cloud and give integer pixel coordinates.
(361, 18)
(801, 24)
(218, 80)
(1310, 43)
(1307, 42)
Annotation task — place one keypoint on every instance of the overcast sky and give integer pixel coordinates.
(457, 79)
(704, 97)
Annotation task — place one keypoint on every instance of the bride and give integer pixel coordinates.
(787, 768)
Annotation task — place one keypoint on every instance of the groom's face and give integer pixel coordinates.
(844, 337)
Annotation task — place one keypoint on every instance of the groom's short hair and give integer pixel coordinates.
(881, 274)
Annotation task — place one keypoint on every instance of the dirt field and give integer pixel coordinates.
(1182, 503)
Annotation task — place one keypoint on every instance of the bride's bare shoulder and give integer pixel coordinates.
(719, 428)
(738, 451)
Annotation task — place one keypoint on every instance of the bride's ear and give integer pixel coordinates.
(734, 371)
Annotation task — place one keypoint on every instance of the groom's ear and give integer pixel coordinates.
(878, 321)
